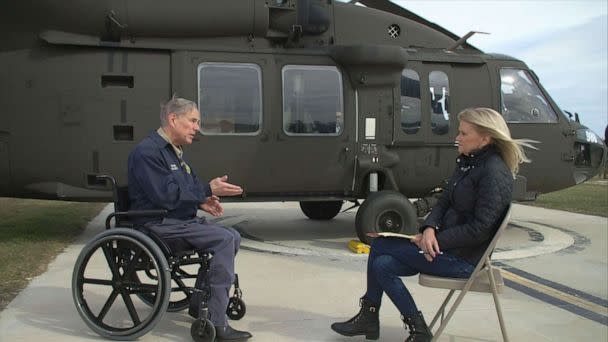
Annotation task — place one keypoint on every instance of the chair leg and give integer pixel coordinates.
(444, 323)
(441, 310)
(501, 321)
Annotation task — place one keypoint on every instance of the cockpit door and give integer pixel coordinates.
(531, 114)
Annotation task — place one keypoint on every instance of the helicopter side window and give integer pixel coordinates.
(312, 100)
(440, 105)
(230, 98)
(522, 99)
(410, 101)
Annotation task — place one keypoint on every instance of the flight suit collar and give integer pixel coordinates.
(178, 149)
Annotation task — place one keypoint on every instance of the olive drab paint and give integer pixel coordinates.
(314, 101)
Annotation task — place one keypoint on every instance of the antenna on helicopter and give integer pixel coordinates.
(463, 40)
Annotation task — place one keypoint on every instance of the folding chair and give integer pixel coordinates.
(485, 278)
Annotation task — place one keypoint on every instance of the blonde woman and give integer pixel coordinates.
(456, 232)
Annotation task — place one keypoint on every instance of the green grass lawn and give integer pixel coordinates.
(32, 233)
(586, 198)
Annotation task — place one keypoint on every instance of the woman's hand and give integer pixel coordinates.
(213, 206)
(427, 242)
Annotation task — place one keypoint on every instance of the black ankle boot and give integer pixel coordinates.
(227, 333)
(364, 323)
(419, 331)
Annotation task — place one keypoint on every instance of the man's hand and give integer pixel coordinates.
(220, 187)
(212, 206)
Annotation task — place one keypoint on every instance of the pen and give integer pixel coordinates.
(422, 252)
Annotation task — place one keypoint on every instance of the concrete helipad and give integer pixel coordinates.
(298, 277)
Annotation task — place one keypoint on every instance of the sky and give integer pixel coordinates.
(563, 41)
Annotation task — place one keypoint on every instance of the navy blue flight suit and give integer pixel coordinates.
(158, 179)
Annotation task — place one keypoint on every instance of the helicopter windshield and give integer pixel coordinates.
(522, 100)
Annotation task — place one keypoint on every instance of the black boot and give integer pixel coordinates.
(419, 331)
(227, 333)
(364, 323)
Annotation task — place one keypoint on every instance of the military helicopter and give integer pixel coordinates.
(316, 101)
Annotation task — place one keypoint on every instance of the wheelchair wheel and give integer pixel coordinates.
(181, 279)
(202, 330)
(236, 308)
(104, 289)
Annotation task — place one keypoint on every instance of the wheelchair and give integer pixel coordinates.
(126, 277)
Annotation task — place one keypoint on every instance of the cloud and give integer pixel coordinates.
(572, 64)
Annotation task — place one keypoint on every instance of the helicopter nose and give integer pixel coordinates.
(589, 155)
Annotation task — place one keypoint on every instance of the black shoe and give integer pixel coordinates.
(366, 322)
(227, 333)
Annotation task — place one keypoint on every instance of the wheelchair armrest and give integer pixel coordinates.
(136, 213)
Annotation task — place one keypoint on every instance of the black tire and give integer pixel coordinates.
(321, 210)
(236, 308)
(202, 330)
(385, 211)
(122, 253)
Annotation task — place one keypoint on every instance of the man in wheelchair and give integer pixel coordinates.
(160, 178)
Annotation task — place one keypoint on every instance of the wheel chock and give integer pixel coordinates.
(358, 247)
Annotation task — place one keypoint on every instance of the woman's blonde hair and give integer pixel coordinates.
(489, 122)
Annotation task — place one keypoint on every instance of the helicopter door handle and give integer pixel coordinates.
(567, 157)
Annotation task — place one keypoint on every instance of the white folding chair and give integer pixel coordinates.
(485, 278)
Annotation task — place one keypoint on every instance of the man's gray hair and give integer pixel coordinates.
(177, 106)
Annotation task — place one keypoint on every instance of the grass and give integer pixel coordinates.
(32, 233)
(587, 198)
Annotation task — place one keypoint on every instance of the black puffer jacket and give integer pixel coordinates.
(472, 205)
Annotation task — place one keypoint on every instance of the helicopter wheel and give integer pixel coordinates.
(385, 211)
(236, 308)
(202, 330)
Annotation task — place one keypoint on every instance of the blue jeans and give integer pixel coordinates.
(391, 258)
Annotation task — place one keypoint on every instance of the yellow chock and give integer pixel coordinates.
(358, 247)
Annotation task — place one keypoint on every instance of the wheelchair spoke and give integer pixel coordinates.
(131, 267)
(112, 263)
(183, 273)
(179, 282)
(107, 305)
(97, 281)
(130, 307)
(142, 288)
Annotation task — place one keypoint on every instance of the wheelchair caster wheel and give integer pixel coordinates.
(202, 330)
(236, 308)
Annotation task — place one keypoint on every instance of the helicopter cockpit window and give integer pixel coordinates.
(312, 100)
(522, 99)
(410, 101)
(230, 98)
(440, 102)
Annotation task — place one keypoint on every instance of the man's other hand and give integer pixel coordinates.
(213, 206)
(220, 187)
